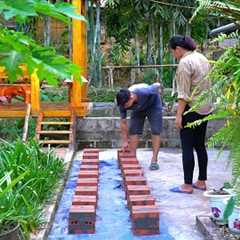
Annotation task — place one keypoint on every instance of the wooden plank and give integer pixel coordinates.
(35, 92)
(54, 132)
(26, 123)
(38, 126)
(56, 123)
(54, 141)
(49, 110)
(72, 135)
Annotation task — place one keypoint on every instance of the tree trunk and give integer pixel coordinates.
(160, 50)
(188, 29)
(97, 43)
(70, 40)
(172, 28)
(90, 43)
(47, 31)
(150, 41)
(137, 54)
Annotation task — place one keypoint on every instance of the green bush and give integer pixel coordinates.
(12, 129)
(102, 94)
(55, 95)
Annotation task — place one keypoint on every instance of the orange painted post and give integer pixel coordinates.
(35, 93)
(79, 52)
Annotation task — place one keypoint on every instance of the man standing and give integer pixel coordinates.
(144, 101)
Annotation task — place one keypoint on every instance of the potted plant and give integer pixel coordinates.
(218, 201)
(232, 211)
(9, 224)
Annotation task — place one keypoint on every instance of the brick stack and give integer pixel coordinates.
(82, 214)
(143, 211)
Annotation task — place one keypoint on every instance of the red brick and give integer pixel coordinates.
(90, 161)
(145, 220)
(125, 154)
(85, 229)
(82, 219)
(86, 190)
(145, 211)
(88, 174)
(131, 166)
(134, 200)
(90, 155)
(84, 200)
(132, 173)
(91, 150)
(128, 161)
(82, 213)
(135, 180)
(138, 190)
(146, 231)
(89, 167)
(87, 182)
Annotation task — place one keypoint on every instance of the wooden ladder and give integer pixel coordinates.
(56, 131)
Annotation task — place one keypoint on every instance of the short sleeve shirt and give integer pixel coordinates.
(148, 96)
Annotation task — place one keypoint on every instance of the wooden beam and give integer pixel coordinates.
(79, 51)
(35, 93)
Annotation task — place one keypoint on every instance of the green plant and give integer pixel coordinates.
(102, 94)
(26, 200)
(54, 95)
(12, 129)
(8, 218)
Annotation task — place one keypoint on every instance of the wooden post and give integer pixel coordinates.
(79, 54)
(35, 93)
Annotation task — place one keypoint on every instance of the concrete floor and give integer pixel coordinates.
(177, 211)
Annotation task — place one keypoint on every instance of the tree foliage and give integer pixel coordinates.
(16, 48)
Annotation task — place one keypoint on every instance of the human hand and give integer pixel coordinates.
(178, 121)
(125, 146)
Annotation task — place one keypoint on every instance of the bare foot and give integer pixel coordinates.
(200, 184)
(187, 188)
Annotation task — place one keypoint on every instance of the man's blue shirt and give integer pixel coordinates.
(147, 97)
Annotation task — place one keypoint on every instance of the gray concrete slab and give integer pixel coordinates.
(180, 210)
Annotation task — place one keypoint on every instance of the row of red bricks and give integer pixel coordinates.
(144, 212)
(82, 214)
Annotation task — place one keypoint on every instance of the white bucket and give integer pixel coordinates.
(217, 204)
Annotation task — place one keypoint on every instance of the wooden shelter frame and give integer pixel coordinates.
(77, 104)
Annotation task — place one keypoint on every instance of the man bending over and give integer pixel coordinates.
(143, 101)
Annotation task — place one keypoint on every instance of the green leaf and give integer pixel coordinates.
(229, 208)
(13, 183)
(18, 8)
(70, 11)
(16, 48)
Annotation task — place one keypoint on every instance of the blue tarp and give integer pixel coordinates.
(113, 221)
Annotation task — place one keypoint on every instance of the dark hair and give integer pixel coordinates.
(182, 41)
(122, 96)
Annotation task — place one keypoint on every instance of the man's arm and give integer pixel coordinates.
(124, 133)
